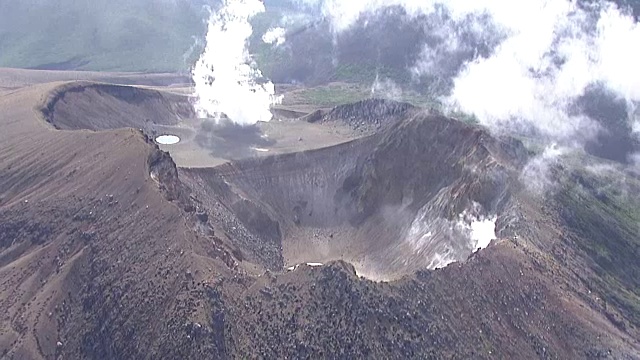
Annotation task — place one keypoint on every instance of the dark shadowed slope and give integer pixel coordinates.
(93, 106)
(113, 35)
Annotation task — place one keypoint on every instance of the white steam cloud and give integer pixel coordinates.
(386, 89)
(536, 174)
(275, 36)
(442, 241)
(550, 53)
(226, 78)
(483, 232)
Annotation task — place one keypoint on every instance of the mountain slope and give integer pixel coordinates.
(107, 250)
(149, 35)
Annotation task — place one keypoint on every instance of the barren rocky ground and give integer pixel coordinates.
(109, 249)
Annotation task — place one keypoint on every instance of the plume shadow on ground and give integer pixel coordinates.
(615, 140)
(228, 140)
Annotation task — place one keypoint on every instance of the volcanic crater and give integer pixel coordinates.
(397, 197)
(113, 248)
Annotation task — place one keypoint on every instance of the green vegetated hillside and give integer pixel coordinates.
(109, 35)
(601, 206)
(313, 55)
(159, 35)
(384, 44)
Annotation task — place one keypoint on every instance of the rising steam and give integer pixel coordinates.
(226, 78)
(555, 51)
(443, 241)
(275, 36)
(548, 54)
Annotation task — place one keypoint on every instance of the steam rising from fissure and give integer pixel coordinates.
(446, 241)
(226, 78)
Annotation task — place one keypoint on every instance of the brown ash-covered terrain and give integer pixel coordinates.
(109, 250)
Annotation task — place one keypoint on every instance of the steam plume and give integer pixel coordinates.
(226, 79)
(276, 36)
(386, 89)
(548, 54)
(537, 74)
